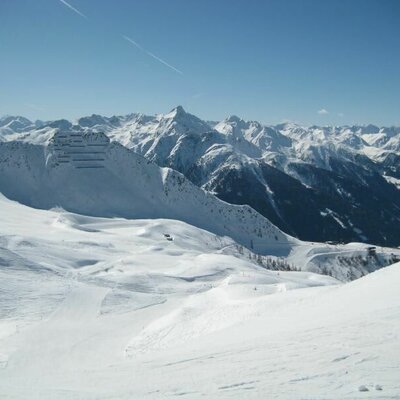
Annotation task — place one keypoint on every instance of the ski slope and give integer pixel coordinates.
(109, 308)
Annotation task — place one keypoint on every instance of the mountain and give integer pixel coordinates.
(85, 173)
(14, 124)
(348, 177)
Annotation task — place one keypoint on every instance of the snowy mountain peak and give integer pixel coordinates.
(10, 124)
(7, 119)
(178, 121)
(368, 129)
(177, 112)
(92, 120)
(234, 118)
(233, 125)
(60, 124)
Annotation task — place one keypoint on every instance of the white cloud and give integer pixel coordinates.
(340, 115)
(151, 54)
(73, 9)
(323, 111)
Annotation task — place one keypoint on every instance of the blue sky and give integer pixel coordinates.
(309, 61)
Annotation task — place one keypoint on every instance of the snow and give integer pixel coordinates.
(392, 180)
(89, 175)
(107, 308)
(128, 282)
(333, 215)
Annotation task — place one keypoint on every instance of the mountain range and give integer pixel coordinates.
(315, 183)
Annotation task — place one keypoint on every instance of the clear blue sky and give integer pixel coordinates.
(270, 60)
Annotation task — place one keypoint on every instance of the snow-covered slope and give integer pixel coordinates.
(108, 308)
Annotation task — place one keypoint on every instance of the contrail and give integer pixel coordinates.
(133, 42)
(164, 62)
(73, 9)
(152, 55)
